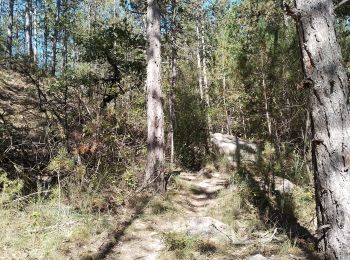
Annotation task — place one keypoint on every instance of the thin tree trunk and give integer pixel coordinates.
(0, 12)
(10, 28)
(267, 113)
(154, 176)
(35, 31)
(199, 63)
(65, 50)
(46, 33)
(55, 37)
(28, 31)
(329, 95)
(172, 96)
(205, 74)
(243, 120)
(228, 121)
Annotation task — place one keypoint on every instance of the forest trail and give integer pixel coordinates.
(143, 239)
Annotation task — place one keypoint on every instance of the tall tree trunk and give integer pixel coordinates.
(55, 37)
(35, 31)
(65, 50)
(172, 96)
(199, 62)
(10, 28)
(1, 12)
(267, 113)
(154, 177)
(205, 73)
(46, 33)
(28, 29)
(329, 95)
(228, 121)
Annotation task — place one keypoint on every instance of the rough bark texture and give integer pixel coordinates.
(328, 84)
(10, 28)
(154, 177)
(55, 37)
(28, 31)
(35, 31)
(172, 96)
(46, 33)
(199, 62)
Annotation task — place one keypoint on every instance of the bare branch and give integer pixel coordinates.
(341, 4)
(292, 12)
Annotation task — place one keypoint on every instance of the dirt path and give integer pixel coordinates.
(142, 240)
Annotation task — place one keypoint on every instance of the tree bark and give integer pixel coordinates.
(10, 28)
(65, 50)
(154, 176)
(35, 31)
(46, 33)
(28, 29)
(199, 63)
(329, 93)
(55, 37)
(205, 73)
(172, 96)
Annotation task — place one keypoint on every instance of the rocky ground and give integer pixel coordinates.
(182, 225)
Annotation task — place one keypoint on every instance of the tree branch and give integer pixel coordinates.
(341, 4)
(292, 12)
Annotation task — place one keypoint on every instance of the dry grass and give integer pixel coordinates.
(47, 230)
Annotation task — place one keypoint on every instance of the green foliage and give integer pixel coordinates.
(162, 205)
(61, 162)
(184, 246)
(130, 179)
(181, 244)
(191, 129)
(9, 188)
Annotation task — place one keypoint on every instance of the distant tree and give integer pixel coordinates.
(28, 28)
(55, 37)
(10, 28)
(172, 95)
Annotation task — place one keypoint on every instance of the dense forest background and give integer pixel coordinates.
(73, 105)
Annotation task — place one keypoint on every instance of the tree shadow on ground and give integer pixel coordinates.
(281, 217)
(115, 236)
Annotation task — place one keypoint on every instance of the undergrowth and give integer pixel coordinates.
(48, 229)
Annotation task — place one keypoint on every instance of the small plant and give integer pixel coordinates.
(10, 188)
(61, 162)
(130, 179)
(161, 205)
(181, 244)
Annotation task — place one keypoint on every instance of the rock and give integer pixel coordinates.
(234, 148)
(210, 229)
(283, 185)
(257, 257)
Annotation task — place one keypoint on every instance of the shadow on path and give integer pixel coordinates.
(114, 237)
(280, 217)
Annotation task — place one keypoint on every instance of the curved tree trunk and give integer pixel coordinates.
(328, 84)
(154, 177)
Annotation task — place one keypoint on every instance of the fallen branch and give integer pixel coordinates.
(341, 4)
(26, 197)
(248, 242)
(69, 223)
